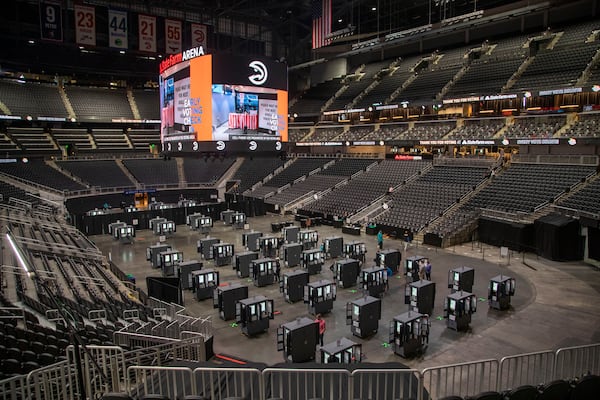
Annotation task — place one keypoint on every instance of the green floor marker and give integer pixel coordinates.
(482, 299)
(352, 290)
(385, 344)
(439, 318)
(234, 325)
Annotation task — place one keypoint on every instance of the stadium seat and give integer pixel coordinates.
(116, 396)
(486, 396)
(154, 397)
(587, 387)
(452, 398)
(555, 390)
(525, 392)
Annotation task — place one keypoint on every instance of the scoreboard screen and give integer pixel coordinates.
(222, 103)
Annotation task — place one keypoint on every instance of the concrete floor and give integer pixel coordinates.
(555, 304)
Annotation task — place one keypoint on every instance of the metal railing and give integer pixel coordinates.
(144, 371)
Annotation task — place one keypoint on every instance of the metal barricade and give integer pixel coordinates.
(14, 388)
(387, 384)
(526, 369)
(300, 384)
(111, 361)
(464, 379)
(56, 381)
(173, 382)
(221, 383)
(577, 361)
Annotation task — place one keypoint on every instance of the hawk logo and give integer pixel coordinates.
(220, 145)
(261, 74)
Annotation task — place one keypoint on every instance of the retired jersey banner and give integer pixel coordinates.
(51, 21)
(199, 35)
(172, 36)
(117, 29)
(147, 33)
(85, 25)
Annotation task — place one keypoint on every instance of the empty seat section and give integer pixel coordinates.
(39, 172)
(205, 171)
(99, 104)
(102, 173)
(154, 171)
(253, 170)
(32, 99)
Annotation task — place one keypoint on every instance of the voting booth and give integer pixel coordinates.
(420, 296)
(112, 228)
(409, 334)
(346, 272)
(312, 261)
(298, 340)
(292, 285)
(333, 246)
(411, 268)
(205, 281)
(319, 296)
(169, 260)
(222, 253)
(250, 240)
(308, 238)
(342, 351)
(374, 281)
(125, 233)
(153, 253)
(184, 272)
(204, 246)
(363, 316)
(199, 222)
(242, 262)
(226, 216)
(225, 299)
(461, 278)
(290, 234)
(268, 245)
(356, 250)
(291, 254)
(238, 220)
(501, 289)
(253, 314)
(389, 258)
(263, 271)
(460, 306)
(154, 222)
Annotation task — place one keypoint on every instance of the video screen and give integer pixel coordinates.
(223, 99)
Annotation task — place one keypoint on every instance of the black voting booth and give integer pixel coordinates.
(363, 316)
(356, 250)
(226, 297)
(290, 234)
(205, 281)
(342, 351)
(291, 254)
(154, 223)
(242, 263)
(268, 245)
(153, 253)
(204, 246)
(389, 258)
(238, 220)
(250, 240)
(165, 228)
(165, 289)
(308, 238)
(263, 271)
(411, 268)
(319, 296)
(409, 333)
(298, 340)
(169, 260)
(374, 281)
(501, 289)
(461, 278)
(558, 238)
(292, 285)
(420, 296)
(312, 261)
(333, 246)
(112, 227)
(459, 308)
(226, 216)
(200, 222)
(253, 314)
(125, 233)
(222, 253)
(346, 272)
(184, 272)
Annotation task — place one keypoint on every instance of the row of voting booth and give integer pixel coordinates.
(121, 231)
(234, 218)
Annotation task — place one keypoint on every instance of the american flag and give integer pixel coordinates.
(321, 22)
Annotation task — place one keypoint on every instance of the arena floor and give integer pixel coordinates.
(555, 304)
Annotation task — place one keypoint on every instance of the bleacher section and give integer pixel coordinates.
(588, 125)
(364, 189)
(99, 104)
(387, 132)
(325, 134)
(9, 191)
(148, 103)
(477, 129)
(39, 172)
(427, 130)
(32, 140)
(356, 132)
(253, 170)
(110, 139)
(102, 173)
(205, 171)
(80, 138)
(32, 99)
(587, 199)
(6, 144)
(311, 101)
(153, 172)
(419, 202)
(532, 127)
(142, 138)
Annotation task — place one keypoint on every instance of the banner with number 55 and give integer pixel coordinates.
(172, 36)
(117, 29)
(147, 33)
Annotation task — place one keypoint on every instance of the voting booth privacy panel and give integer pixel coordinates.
(515, 236)
(165, 289)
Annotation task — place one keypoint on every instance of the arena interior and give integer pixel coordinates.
(432, 195)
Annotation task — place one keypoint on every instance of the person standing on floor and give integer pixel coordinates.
(428, 270)
(321, 323)
(277, 269)
(380, 239)
(422, 265)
